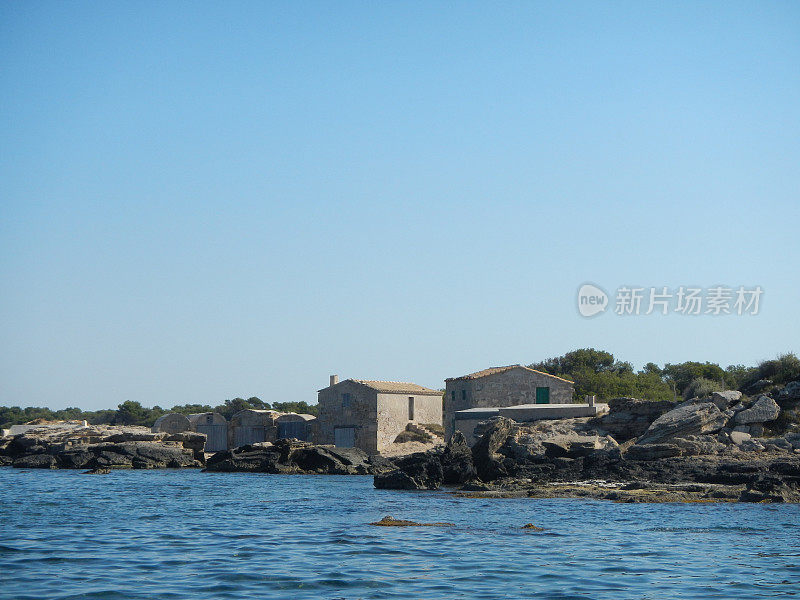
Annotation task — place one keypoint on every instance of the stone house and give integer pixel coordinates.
(371, 414)
(296, 425)
(214, 426)
(251, 426)
(499, 387)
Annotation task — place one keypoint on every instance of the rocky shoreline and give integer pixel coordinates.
(102, 447)
(723, 448)
(701, 450)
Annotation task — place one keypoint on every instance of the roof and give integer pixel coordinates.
(394, 387)
(397, 387)
(496, 370)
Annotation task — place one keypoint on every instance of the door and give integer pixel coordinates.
(292, 429)
(542, 395)
(248, 435)
(216, 437)
(344, 437)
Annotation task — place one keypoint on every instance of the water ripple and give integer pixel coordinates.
(175, 534)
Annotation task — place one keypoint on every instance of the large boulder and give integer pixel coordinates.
(418, 471)
(764, 409)
(629, 418)
(295, 456)
(652, 451)
(456, 459)
(36, 461)
(726, 399)
(686, 420)
(488, 463)
(790, 392)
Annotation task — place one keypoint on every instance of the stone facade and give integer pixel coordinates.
(371, 414)
(501, 387)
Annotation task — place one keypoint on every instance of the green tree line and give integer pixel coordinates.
(599, 373)
(133, 413)
(595, 372)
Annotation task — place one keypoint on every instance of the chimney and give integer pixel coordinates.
(334, 379)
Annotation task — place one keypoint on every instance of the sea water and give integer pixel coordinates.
(172, 534)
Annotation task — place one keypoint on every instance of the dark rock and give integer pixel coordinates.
(652, 451)
(629, 418)
(418, 471)
(487, 461)
(97, 471)
(758, 386)
(36, 461)
(78, 458)
(790, 392)
(388, 521)
(456, 459)
(295, 456)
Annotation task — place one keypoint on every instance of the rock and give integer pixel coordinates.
(629, 418)
(770, 488)
(790, 392)
(725, 399)
(778, 444)
(764, 409)
(751, 445)
(36, 461)
(294, 456)
(388, 521)
(456, 459)
(532, 527)
(97, 471)
(685, 420)
(418, 471)
(737, 437)
(572, 446)
(488, 464)
(695, 445)
(758, 386)
(651, 451)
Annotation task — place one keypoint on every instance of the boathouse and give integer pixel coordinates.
(370, 414)
(500, 387)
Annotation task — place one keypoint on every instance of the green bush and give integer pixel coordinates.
(702, 388)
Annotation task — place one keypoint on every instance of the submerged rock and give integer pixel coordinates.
(388, 521)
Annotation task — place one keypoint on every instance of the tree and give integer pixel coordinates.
(131, 413)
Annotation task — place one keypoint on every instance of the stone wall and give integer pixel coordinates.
(507, 388)
(362, 414)
(393, 414)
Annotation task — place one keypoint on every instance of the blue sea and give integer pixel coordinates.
(176, 534)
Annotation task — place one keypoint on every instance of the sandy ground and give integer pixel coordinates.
(409, 448)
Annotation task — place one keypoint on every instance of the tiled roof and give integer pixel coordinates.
(496, 370)
(397, 387)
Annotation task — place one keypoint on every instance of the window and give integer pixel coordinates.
(345, 400)
(453, 395)
(411, 408)
(463, 394)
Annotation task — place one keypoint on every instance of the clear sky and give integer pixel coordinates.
(203, 200)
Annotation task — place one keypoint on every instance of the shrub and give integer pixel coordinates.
(701, 387)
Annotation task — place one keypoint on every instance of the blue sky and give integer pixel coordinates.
(207, 200)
